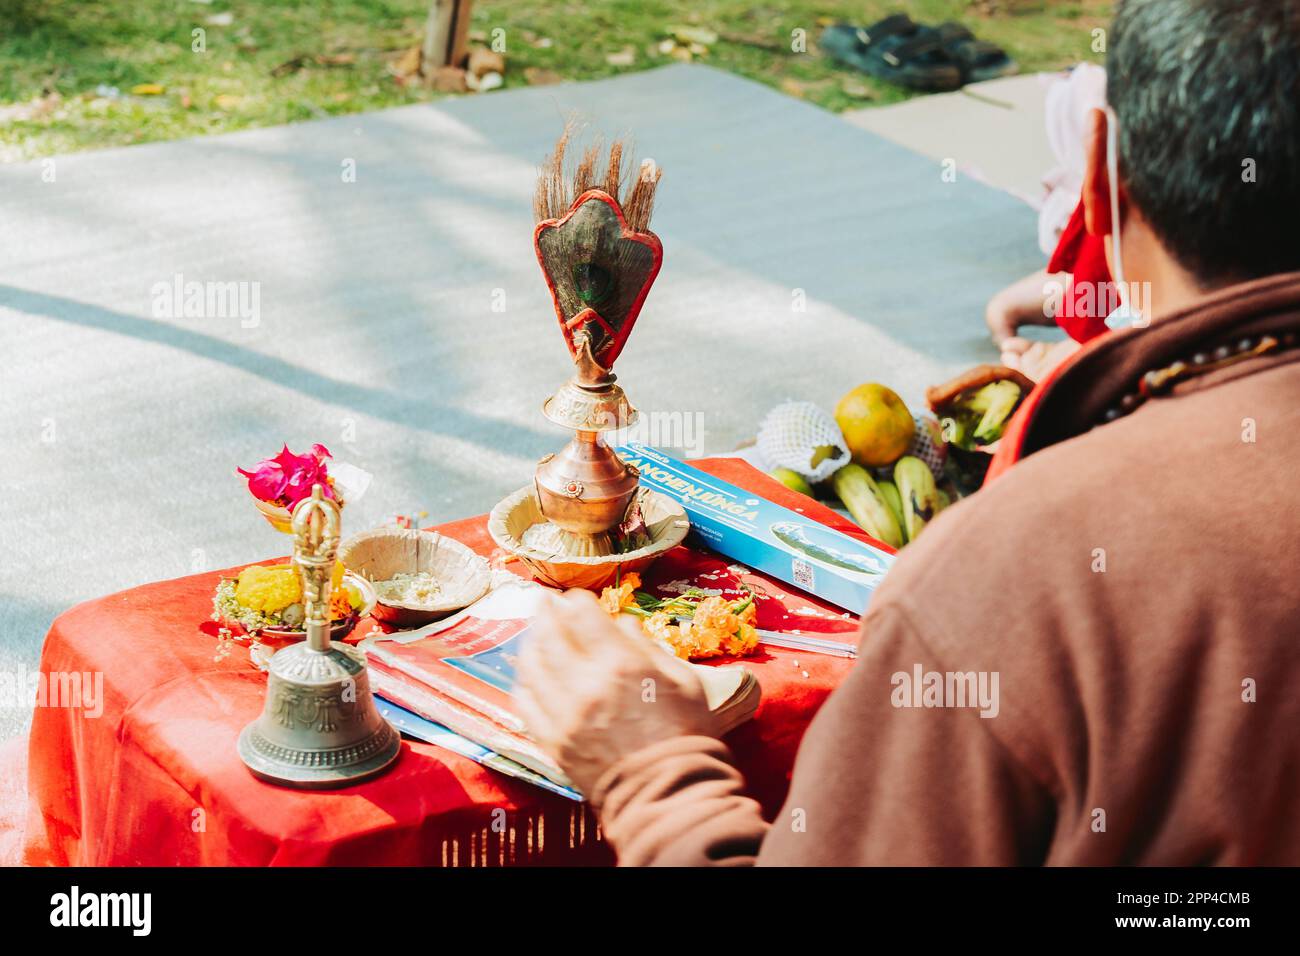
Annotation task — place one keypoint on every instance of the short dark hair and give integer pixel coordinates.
(1208, 98)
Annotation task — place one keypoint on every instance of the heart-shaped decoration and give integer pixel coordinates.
(598, 270)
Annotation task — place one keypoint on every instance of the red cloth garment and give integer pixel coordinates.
(1083, 255)
(1091, 290)
(154, 779)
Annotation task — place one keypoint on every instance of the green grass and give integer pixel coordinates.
(73, 48)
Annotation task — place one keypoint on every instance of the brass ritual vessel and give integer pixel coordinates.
(585, 517)
(319, 727)
(585, 489)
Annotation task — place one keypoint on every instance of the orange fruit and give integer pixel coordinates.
(876, 424)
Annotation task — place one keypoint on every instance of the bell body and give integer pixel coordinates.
(319, 728)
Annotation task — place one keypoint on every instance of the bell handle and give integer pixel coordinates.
(316, 526)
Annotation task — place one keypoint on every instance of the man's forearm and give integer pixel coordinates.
(679, 803)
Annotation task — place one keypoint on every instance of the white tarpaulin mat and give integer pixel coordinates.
(398, 315)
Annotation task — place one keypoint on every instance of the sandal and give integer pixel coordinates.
(978, 60)
(895, 50)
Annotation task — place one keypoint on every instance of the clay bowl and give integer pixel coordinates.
(279, 517)
(512, 517)
(338, 629)
(463, 576)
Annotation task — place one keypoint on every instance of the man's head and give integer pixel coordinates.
(1206, 95)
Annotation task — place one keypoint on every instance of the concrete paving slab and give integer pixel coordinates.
(992, 130)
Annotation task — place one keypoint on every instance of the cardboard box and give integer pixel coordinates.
(765, 536)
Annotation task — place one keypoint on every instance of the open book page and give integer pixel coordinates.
(460, 672)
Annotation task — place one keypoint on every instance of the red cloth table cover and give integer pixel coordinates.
(155, 779)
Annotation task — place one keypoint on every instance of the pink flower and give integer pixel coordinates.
(287, 478)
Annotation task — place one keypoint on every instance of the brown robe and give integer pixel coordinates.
(1135, 586)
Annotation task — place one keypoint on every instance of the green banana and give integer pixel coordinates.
(977, 401)
(956, 430)
(867, 503)
(944, 499)
(793, 480)
(823, 452)
(920, 496)
(995, 401)
(889, 491)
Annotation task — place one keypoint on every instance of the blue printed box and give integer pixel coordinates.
(765, 536)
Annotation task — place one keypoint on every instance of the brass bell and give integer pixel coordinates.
(319, 728)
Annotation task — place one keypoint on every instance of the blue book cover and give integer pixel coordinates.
(413, 725)
(763, 535)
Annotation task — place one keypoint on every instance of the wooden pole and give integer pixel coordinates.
(446, 35)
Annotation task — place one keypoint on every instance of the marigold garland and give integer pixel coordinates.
(696, 625)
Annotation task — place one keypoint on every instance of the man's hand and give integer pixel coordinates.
(592, 691)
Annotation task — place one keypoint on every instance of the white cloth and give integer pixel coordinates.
(1070, 98)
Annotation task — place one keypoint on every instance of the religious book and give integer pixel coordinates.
(421, 728)
(460, 672)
